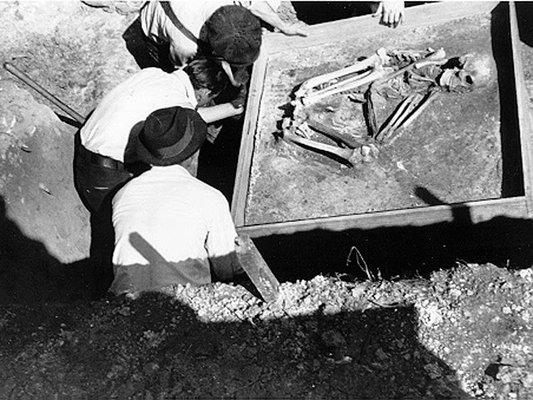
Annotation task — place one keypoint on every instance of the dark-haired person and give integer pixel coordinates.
(170, 227)
(104, 159)
(104, 155)
(228, 30)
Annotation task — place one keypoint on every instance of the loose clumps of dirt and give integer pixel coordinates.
(461, 334)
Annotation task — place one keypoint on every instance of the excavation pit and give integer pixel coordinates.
(464, 148)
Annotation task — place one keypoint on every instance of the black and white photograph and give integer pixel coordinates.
(266, 199)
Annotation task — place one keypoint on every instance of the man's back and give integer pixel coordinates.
(158, 26)
(108, 129)
(168, 224)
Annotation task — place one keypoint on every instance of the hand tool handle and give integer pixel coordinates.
(43, 92)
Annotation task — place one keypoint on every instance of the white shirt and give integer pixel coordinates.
(185, 221)
(192, 14)
(108, 129)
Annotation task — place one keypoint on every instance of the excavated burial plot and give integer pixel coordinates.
(453, 150)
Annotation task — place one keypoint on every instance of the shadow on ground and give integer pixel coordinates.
(154, 344)
(403, 251)
(30, 274)
(524, 11)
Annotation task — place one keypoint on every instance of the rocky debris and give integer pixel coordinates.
(446, 337)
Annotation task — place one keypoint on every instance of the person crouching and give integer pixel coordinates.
(170, 227)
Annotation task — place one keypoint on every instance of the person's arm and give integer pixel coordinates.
(264, 11)
(390, 12)
(218, 112)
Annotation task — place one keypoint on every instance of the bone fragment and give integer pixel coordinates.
(378, 73)
(438, 57)
(397, 115)
(346, 154)
(400, 121)
(421, 107)
(377, 59)
(333, 133)
(412, 104)
(422, 64)
(370, 113)
(357, 97)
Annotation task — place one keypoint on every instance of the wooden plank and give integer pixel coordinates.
(479, 211)
(257, 269)
(358, 27)
(524, 117)
(240, 191)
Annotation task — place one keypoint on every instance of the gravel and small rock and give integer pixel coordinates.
(450, 336)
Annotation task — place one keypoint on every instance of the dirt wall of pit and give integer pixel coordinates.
(78, 54)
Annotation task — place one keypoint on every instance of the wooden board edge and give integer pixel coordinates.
(242, 177)
(524, 117)
(255, 266)
(479, 211)
(366, 25)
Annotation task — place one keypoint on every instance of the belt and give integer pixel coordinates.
(100, 160)
(106, 162)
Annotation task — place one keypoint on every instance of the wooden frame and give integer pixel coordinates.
(514, 207)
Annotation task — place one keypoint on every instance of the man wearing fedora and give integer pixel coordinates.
(104, 159)
(170, 227)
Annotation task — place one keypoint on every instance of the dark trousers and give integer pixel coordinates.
(145, 51)
(96, 185)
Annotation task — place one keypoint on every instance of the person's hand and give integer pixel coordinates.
(294, 29)
(390, 12)
(240, 99)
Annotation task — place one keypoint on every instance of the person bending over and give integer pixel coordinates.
(170, 227)
(104, 160)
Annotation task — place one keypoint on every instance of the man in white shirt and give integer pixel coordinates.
(104, 159)
(223, 26)
(170, 227)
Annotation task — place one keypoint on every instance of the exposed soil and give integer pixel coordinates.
(453, 150)
(76, 53)
(461, 333)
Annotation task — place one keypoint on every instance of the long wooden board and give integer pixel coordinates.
(257, 269)
(513, 207)
(524, 116)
